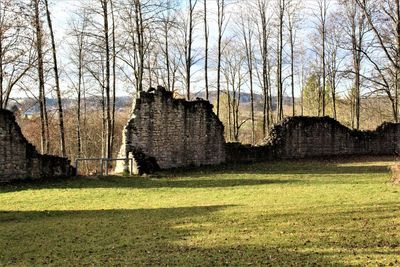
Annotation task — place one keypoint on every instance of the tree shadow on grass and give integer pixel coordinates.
(165, 236)
(197, 236)
(218, 176)
(138, 183)
(285, 167)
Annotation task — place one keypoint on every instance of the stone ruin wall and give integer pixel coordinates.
(309, 137)
(165, 133)
(20, 160)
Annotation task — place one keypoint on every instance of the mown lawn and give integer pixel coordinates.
(281, 213)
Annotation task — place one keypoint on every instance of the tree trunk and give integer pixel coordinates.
(280, 59)
(189, 44)
(39, 50)
(206, 49)
(292, 67)
(264, 52)
(114, 80)
(57, 80)
(139, 44)
(249, 55)
(167, 63)
(323, 69)
(220, 8)
(107, 81)
(356, 46)
(78, 108)
(229, 112)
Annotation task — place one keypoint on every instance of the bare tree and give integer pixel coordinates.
(114, 77)
(279, 50)
(232, 65)
(57, 81)
(107, 54)
(355, 26)
(16, 48)
(77, 57)
(292, 10)
(221, 18)
(384, 19)
(248, 35)
(99, 51)
(206, 33)
(264, 77)
(139, 43)
(334, 59)
(45, 145)
(189, 44)
(167, 24)
(322, 18)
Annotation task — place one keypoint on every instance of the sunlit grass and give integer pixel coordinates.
(281, 213)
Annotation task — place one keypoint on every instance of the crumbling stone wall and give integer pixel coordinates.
(305, 137)
(165, 133)
(301, 137)
(20, 160)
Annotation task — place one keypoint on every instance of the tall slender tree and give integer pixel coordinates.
(221, 18)
(264, 49)
(107, 85)
(40, 66)
(206, 33)
(322, 17)
(189, 45)
(57, 81)
(355, 26)
(79, 33)
(114, 76)
(139, 44)
(292, 10)
(248, 35)
(279, 69)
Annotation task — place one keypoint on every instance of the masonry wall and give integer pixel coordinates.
(164, 133)
(168, 133)
(305, 137)
(301, 137)
(20, 160)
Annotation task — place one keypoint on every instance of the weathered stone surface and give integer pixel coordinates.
(20, 160)
(305, 137)
(165, 133)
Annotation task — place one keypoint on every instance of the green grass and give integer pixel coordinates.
(280, 213)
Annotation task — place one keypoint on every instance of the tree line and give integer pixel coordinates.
(302, 57)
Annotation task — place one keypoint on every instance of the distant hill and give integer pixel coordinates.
(30, 106)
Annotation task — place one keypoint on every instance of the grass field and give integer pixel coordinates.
(281, 213)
